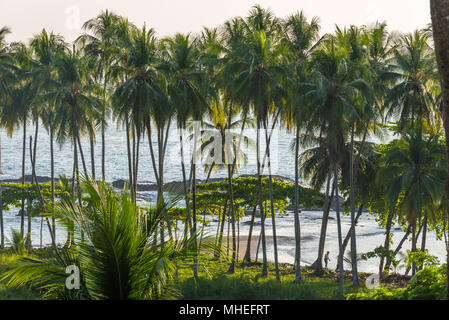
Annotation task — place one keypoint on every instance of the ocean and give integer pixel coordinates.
(369, 234)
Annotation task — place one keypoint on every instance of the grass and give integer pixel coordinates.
(216, 284)
(6, 293)
(247, 284)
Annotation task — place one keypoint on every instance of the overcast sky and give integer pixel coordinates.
(28, 17)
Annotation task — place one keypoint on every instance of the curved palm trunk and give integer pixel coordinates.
(318, 264)
(340, 245)
(261, 207)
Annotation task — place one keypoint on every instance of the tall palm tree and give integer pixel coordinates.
(46, 46)
(333, 97)
(6, 71)
(439, 11)
(75, 104)
(259, 77)
(100, 44)
(22, 96)
(301, 37)
(413, 170)
(189, 94)
(138, 97)
(413, 70)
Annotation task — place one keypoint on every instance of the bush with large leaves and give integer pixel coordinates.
(115, 250)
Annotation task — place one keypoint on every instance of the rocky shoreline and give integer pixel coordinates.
(171, 186)
(150, 185)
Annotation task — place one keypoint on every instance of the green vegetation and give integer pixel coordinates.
(335, 92)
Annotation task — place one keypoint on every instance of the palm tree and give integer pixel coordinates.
(413, 170)
(6, 71)
(439, 10)
(258, 82)
(333, 97)
(74, 101)
(301, 37)
(189, 92)
(22, 96)
(116, 255)
(414, 70)
(141, 96)
(100, 45)
(46, 46)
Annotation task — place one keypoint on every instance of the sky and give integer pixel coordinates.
(28, 17)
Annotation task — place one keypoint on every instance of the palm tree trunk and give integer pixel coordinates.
(231, 202)
(231, 207)
(2, 229)
(348, 235)
(133, 138)
(188, 223)
(355, 280)
(298, 277)
(22, 216)
(439, 12)
(83, 161)
(223, 221)
(387, 238)
(340, 245)
(162, 147)
(261, 207)
(398, 248)
(150, 143)
(424, 234)
(130, 166)
(273, 212)
(136, 167)
(36, 131)
(52, 165)
(92, 155)
(318, 264)
(30, 217)
(103, 149)
(247, 256)
(414, 237)
(34, 180)
(193, 182)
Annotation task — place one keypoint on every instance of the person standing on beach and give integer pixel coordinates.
(326, 259)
